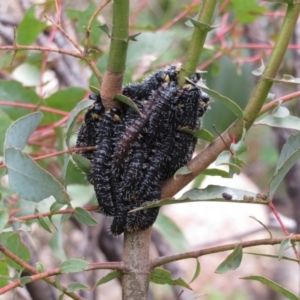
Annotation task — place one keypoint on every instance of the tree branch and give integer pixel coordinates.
(194, 254)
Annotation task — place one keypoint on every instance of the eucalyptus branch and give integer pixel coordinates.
(113, 79)
(264, 85)
(156, 262)
(196, 44)
(31, 269)
(38, 48)
(274, 103)
(57, 271)
(171, 186)
(50, 213)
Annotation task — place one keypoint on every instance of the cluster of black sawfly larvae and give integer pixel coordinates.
(136, 152)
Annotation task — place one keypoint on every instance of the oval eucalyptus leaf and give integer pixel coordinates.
(289, 122)
(110, 276)
(182, 171)
(274, 286)
(20, 130)
(40, 267)
(73, 116)
(24, 280)
(4, 274)
(232, 262)
(202, 134)
(73, 265)
(128, 102)
(225, 100)
(94, 89)
(30, 181)
(82, 163)
(211, 193)
(171, 233)
(3, 219)
(76, 286)
(280, 112)
(84, 217)
(161, 276)
(5, 122)
(290, 153)
(284, 245)
(15, 244)
(197, 272)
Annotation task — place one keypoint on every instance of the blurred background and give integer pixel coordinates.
(241, 43)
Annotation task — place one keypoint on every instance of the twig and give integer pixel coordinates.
(31, 269)
(156, 262)
(271, 205)
(49, 214)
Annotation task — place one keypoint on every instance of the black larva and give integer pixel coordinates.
(135, 154)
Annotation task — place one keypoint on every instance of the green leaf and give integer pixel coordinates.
(260, 70)
(239, 147)
(44, 224)
(274, 286)
(280, 112)
(128, 102)
(82, 18)
(65, 217)
(29, 28)
(40, 267)
(24, 280)
(197, 272)
(182, 171)
(203, 26)
(82, 163)
(73, 116)
(57, 282)
(94, 89)
(4, 274)
(65, 100)
(55, 207)
(19, 132)
(17, 246)
(110, 276)
(30, 181)
(161, 276)
(84, 217)
(290, 153)
(171, 233)
(76, 286)
(5, 122)
(226, 101)
(3, 219)
(232, 262)
(215, 172)
(284, 245)
(74, 265)
(262, 224)
(13, 91)
(247, 11)
(61, 297)
(211, 193)
(200, 134)
(289, 122)
(105, 29)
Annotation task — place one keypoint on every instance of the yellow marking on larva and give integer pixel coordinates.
(187, 86)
